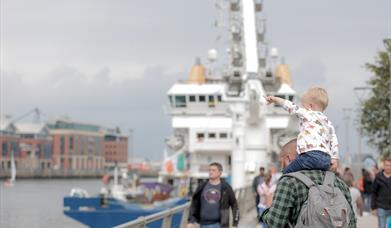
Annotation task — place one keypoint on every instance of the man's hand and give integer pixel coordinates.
(334, 165)
(374, 212)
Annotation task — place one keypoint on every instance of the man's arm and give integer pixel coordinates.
(234, 206)
(194, 207)
(283, 203)
(375, 188)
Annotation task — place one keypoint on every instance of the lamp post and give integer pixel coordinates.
(387, 44)
(360, 94)
(347, 155)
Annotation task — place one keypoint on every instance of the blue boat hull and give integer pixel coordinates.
(102, 213)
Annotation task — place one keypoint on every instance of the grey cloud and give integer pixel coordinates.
(132, 103)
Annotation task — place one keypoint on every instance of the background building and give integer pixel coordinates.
(9, 142)
(35, 146)
(77, 146)
(115, 148)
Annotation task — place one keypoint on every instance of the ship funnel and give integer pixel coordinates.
(197, 73)
(283, 75)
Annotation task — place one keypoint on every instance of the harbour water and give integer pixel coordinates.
(39, 203)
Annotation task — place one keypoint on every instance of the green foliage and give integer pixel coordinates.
(375, 118)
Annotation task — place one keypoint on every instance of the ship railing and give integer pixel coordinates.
(244, 196)
(166, 215)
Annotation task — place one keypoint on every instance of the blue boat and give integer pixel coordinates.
(104, 212)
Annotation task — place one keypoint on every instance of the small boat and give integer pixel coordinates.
(120, 204)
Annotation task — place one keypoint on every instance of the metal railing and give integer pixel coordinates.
(244, 196)
(165, 215)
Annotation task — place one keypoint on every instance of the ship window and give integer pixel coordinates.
(211, 102)
(219, 98)
(200, 136)
(201, 98)
(180, 101)
(223, 135)
(192, 98)
(212, 135)
(170, 99)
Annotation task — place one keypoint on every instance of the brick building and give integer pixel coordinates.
(115, 148)
(35, 146)
(9, 142)
(77, 146)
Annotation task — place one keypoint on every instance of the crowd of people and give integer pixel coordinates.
(310, 192)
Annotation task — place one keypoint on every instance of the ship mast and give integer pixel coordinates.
(245, 91)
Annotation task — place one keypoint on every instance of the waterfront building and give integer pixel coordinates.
(77, 146)
(115, 148)
(9, 142)
(35, 146)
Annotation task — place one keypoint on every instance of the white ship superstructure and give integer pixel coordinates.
(224, 117)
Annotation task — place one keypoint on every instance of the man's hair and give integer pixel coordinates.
(387, 159)
(317, 95)
(285, 150)
(218, 165)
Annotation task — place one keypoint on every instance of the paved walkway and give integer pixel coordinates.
(249, 221)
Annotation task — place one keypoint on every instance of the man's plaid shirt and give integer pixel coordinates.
(290, 196)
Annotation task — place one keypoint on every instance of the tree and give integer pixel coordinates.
(375, 116)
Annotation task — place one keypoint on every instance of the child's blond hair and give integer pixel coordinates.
(316, 95)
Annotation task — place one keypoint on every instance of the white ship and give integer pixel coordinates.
(223, 116)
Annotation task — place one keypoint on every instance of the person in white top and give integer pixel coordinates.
(357, 202)
(266, 192)
(317, 143)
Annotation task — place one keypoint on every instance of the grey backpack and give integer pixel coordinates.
(326, 205)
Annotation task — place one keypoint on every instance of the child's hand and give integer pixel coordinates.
(270, 99)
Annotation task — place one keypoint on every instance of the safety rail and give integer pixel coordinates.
(244, 196)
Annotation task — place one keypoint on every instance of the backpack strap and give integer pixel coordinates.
(329, 179)
(301, 177)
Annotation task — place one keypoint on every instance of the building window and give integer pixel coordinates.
(201, 98)
(180, 101)
(4, 148)
(192, 98)
(211, 101)
(223, 135)
(212, 135)
(200, 136)
(71, 142)
(62, 145)
(219, 98)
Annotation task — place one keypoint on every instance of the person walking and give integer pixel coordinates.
(212, 201)
(256, 182)
(381, 194)
(365, 186)
(266, 192)
(355, 194)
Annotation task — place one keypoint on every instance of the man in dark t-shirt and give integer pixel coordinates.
(212, 201)
(210, 204)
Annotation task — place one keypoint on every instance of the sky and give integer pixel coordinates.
(112, 62)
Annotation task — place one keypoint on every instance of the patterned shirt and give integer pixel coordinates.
(316, 131)
(290, 196)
